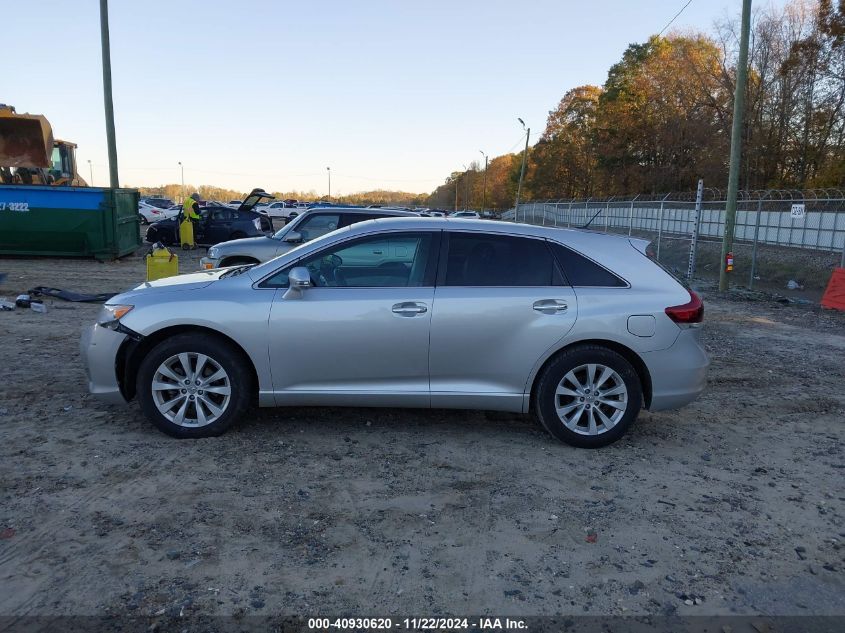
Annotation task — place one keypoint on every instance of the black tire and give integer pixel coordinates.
(545, 397)
(144, 221)
(220, 352)
(237, 235)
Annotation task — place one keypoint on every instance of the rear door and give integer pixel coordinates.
(218, 226)
(500, 305)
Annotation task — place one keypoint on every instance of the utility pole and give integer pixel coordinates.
(457, 184)
(107, 97)
(736, 142)
(182, 167)
(466, 187)
(484, 195)
(521, 171)
(91, 170)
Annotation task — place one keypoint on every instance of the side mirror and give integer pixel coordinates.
(293, 237)
(299, 278)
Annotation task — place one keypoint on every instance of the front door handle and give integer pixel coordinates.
(409, 308)
(550, 306)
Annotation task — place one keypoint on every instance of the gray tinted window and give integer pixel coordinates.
(317, 225)
(391, 260)
(482, 259)
(580, 271)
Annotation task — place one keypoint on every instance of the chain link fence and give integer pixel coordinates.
(785, 241)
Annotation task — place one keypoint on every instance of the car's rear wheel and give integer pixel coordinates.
(588, 396)
(193, 385)
(142, 219)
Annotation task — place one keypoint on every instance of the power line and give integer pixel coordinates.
(674, 18)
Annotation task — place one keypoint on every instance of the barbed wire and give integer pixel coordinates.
(709, 194)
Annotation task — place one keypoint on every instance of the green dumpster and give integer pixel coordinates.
(68, 221)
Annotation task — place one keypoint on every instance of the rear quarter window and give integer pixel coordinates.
(582, 271)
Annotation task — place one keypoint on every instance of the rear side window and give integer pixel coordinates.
(483, 259)
(581, 271)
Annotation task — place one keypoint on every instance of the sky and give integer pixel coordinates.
(392, 94)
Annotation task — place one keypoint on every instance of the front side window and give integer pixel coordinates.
(483, 259)
(318, 225)
(390, 260)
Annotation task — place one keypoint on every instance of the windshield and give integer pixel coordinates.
(280, 234)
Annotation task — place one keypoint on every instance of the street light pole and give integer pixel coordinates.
(91, 170)
(457, 184)
(329, 171)
(736, 142)
(521, 171)
(484, 194)
(107, 96)
(182, 167)
(466, 188)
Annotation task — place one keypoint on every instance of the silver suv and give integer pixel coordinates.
(301, 229)
(581, 328)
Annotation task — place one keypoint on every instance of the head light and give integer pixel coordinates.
(110, 315)
(213, 252)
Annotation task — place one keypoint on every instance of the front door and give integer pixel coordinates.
(360, 334)
(500, 305)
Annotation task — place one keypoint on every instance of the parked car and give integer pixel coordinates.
(465, 214)
(579, 327)
(283, 210)
(216, 224)
(158, 201)
(301, 229)
(235, 203)
(148, 213)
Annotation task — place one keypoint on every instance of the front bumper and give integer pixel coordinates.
(678, 373)
(99, 348)
(207, 263)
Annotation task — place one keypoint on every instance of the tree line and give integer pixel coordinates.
(662, 119)
(222, 194)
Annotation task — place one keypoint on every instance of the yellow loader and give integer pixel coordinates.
(29, 155)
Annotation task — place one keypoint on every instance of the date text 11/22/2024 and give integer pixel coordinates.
(417, 624)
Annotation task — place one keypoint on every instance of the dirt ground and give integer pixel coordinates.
(731, 505)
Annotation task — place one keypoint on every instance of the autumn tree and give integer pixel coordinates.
(563, 163)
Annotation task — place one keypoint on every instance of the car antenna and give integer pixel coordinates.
(591, 220)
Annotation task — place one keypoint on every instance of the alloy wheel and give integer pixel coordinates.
(191, 389)
(591, 399)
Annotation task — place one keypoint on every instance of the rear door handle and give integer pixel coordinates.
(550, 306)
(409, 308)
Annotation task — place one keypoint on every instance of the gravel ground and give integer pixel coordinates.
(731, 505)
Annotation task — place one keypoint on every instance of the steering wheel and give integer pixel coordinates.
(329, 273)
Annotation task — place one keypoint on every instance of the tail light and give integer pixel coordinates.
(690, 314)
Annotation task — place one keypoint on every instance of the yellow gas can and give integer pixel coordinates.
(186, 234)
(161, 263)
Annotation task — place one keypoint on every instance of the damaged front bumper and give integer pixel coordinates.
(99, 347)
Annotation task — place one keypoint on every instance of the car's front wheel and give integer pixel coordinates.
(588, 396)
(193, 385)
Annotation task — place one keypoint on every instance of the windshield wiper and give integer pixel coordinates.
(236, 270)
